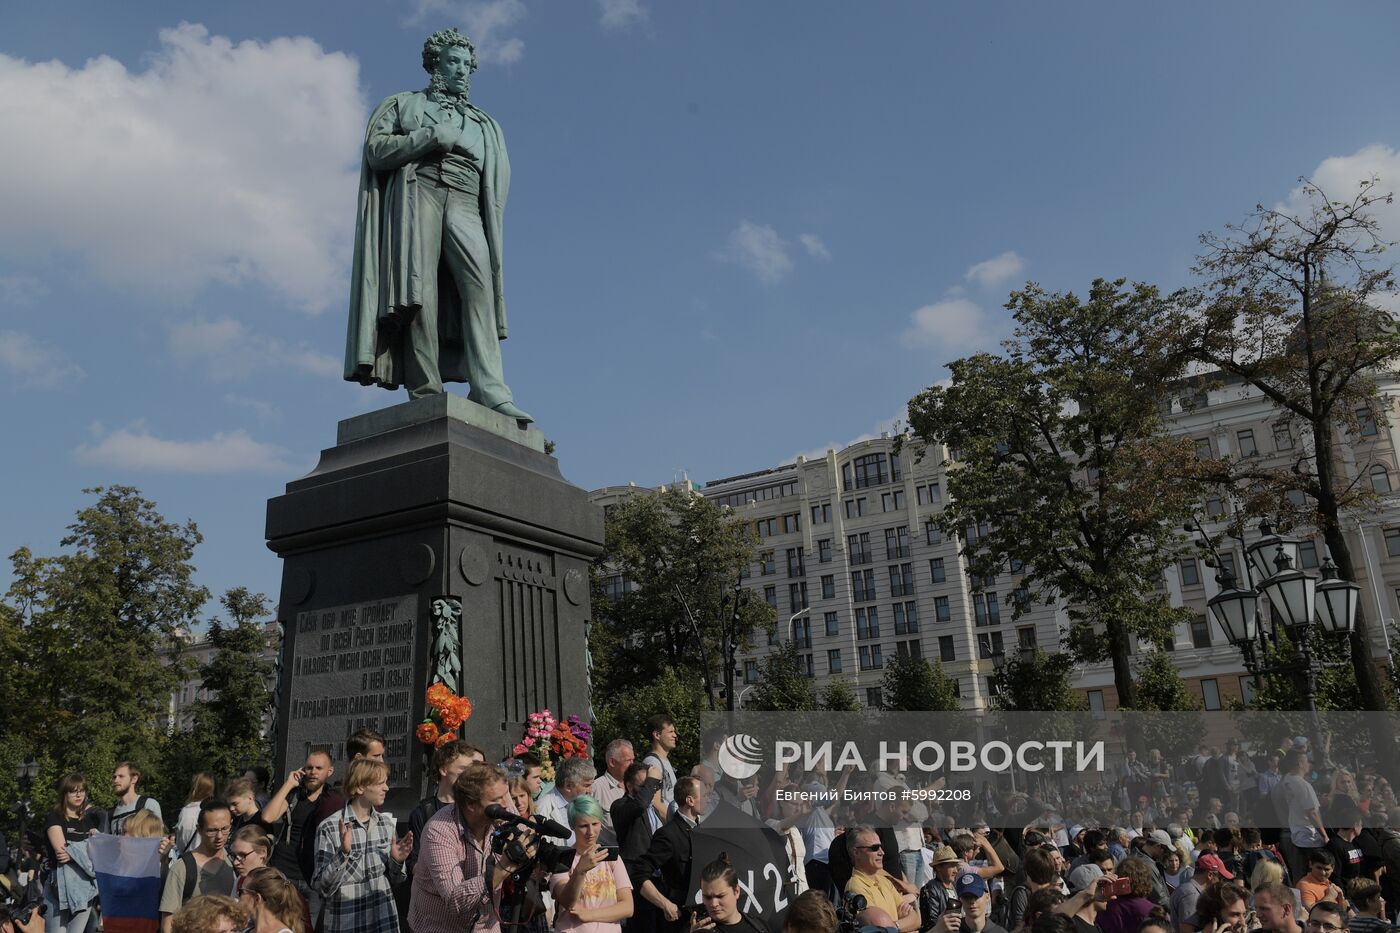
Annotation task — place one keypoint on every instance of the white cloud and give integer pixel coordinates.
(32, 364)
(1340, 176)
(218, 162)
(814, 246)
(887, 427)
(21, 290)
(136, 448)
(950, 326)
(619, 14)
(224, 349)
(264, 411)
(994, 271)
(485, 22)
(759, 249)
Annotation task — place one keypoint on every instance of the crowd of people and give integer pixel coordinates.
(494, 848)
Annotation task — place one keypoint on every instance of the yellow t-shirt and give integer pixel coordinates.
(878, 891)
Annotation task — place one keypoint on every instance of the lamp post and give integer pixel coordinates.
(1297, 597)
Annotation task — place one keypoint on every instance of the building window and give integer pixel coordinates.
(985, 609)
(862, 585)
(1025, 636)
(796, 561)
(750, 672)
(770, 596)
(767, 527)
(1215, 507)
(908, 649)
(870, 659)
(829, 586)
(902, 580)
(931, 533)
(940, 609)
(767, 563)
(792, 523)
(1296, 498)
(1203, 449)
(802, 632)
(1210, 693)
(892, 501)
(1200, 632)
(821, 514)
(1096, 703)
(806, 661)
(858, 548)
(1392, 542)
(1307, 555)
(930, 494)
(1283, 437)
(988, 644)
(873, 698)
(833, 623)
(974, 533)
(797, 596)
(1380, 479)
(824, 551)
(935, 570)
(897, 543)
(1245, 440)
(833, 661)
(868, 622)
(1247, 690)
(1190, 572)
(855, 508)
(906, 618)
(1367, 421)
(870, 471)
(945, 648)
(1227, 564)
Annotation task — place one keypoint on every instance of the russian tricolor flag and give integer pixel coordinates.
(128, 882)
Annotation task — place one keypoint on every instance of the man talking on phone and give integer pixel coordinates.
(303, 801)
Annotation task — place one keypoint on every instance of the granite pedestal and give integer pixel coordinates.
(420, 509)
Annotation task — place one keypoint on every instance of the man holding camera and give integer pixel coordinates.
(457, 884)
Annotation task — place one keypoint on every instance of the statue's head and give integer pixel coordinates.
(450, 58)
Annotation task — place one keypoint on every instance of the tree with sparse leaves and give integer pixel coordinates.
(1293, 304)
(1062, 466)
(912, 684)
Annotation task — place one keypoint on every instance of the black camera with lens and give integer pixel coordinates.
(848, 915)
(18, 906)
(508, 842)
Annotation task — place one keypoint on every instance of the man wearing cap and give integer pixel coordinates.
(941, 890)
(888, 900)
(1089, 896)
(1209, 870)
(1154, 847)
(972, 894)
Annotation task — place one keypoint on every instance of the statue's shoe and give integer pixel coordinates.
(510, 411)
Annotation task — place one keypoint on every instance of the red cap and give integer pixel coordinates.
(1211, 862)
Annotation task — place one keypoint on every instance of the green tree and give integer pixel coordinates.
(1292, 303)
(1161, 690)
(911, 683)
(838, 697)
(229, 724)
(783, 684)
(97, 625)
(1063, 467)
(681, 556)
(677, 694)
(1038, 682)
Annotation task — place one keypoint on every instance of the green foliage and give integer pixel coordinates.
(1161, 689)
(1336, 684)
(1038, 682)
(1064, 465)
(682, 556)
(913, 684)
(838, 697)
(782, 683)
(624, 715)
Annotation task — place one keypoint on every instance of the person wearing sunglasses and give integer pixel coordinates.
(889, 901)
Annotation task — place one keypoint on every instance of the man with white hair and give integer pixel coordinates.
(572, 777)
(608, 788)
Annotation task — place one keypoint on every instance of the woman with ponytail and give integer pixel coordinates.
(274, 902)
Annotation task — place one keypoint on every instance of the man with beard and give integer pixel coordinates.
(303, 801)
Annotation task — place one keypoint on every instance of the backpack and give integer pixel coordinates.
(116, 823)
(191, 876)
(1001, 913)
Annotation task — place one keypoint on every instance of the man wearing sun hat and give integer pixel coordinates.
(940, 892)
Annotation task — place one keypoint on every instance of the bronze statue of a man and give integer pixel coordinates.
(426, 299)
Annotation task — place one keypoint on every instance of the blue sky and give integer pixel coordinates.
(737, 231)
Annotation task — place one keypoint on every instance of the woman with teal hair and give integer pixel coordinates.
(594, 895)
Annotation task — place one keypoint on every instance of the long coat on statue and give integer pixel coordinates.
(389, 265)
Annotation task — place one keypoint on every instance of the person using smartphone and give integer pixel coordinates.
(595, 894)
(1133, 899)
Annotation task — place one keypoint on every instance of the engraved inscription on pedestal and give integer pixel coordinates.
(352, 668)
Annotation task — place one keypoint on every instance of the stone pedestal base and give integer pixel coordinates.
(436, 536)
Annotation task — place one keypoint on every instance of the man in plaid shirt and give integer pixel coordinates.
(457, 883)
(357, 859)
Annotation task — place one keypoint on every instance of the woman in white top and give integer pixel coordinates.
(187, 823)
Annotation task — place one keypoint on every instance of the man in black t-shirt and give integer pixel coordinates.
(303, 801)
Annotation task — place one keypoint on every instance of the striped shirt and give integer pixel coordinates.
(356, 887)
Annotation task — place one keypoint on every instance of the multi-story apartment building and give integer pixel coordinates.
(856, 571)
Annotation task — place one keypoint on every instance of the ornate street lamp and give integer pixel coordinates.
(1292, 592)
(1262, 554)
(1237, 611)
(1337, 600)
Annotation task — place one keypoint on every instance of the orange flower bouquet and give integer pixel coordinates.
(446, 713)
